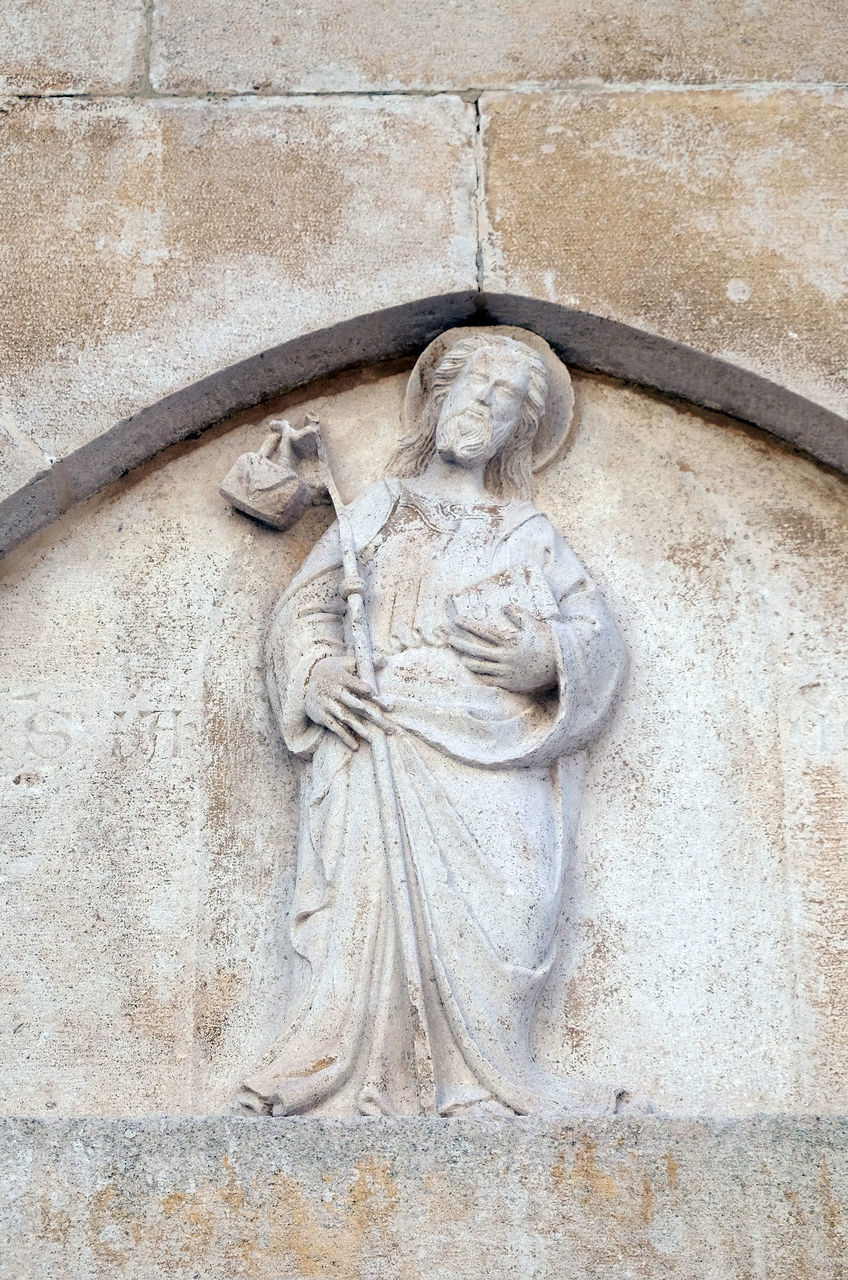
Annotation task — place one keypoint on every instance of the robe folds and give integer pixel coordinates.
(488, 784)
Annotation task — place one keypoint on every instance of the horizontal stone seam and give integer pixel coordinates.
(145, 92)
(559, 1129)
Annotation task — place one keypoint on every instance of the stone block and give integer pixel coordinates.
(764, 1199)
(162, 241)
(71, 46)
(330, 46)
(716, 219)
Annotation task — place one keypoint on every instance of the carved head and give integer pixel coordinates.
(487, 397)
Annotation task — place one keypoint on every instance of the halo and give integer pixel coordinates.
(555, 426)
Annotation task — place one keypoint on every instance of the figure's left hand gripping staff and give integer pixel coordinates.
(273, 492)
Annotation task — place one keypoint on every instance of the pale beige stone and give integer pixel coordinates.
(451, 1200)
(150, 809)
(71, 46)
(148, 244)
(20, 459)
(329, 45)
(718, 219)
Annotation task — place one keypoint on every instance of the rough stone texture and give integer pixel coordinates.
(149, 812)
(119, 293)
(20, 459)
(331, 46)
(161, 241)
(715, 218)
(71, 46)
(150, 808)
(177, 1200)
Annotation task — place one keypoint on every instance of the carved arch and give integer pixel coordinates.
(584, 341)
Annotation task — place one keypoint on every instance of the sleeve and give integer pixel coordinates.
(591, 658)
(307, 624)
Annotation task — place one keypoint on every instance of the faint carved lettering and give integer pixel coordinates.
(150, 735)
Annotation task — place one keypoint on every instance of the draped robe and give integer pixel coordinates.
(488, 784)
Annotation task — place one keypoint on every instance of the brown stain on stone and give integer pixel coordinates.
(215, 996)
(599, 942)
(617, 1207)
(238, 1219)
(77, 222)
(646, 1206)
(320, 1065)
(373, 1194)
(833, 1215)
(587, 1175)
(334, 46)
(309, 1240)
(257, 1228)
(672, 1169)
(81, 49)
(108, 208)
(700, 554)
(55, 1224)
(255, 181)
(805, 533)
(230, 861)
(104, 1207)
(823, 791)
(717, 202)
(228, 736)
(154, 1016)
(793, 1200)
(702, 560)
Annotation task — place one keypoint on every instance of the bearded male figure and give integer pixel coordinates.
(498, 663)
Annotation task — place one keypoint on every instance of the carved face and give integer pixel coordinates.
(483, 406)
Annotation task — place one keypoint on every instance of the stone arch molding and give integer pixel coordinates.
(583, 340)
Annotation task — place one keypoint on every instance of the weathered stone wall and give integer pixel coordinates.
(139, 739)
(170, 209)
(198, 202)
(228, 1198)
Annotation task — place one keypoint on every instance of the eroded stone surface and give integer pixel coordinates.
(161, 241)
(20, 459)
(658, 1200)
(151, 810)
(331, 46)
(717, 219)
(71, 46)
(441, 798)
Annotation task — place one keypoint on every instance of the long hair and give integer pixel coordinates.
(510, 472)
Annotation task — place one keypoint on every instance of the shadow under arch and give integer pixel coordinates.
(583, 340)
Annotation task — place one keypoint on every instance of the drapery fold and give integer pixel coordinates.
(488, 784)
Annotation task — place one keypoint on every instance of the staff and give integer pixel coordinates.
(398, 861)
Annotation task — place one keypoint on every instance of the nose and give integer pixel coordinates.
(486, 391)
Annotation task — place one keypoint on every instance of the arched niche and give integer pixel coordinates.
(583, 340)
(152, 809)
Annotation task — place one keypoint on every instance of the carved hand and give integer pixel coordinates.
(520, 657)
(341, 702)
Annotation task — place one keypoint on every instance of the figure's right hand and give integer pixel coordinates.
(337, 699)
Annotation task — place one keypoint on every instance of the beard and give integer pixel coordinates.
(464, 436)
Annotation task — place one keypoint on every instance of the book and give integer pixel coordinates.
(485, 601)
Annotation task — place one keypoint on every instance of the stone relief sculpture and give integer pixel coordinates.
(439, 663)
